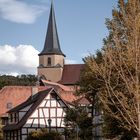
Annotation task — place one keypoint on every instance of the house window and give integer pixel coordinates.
(11, 117)
(9, 105)
(15, 117)
(49, 61)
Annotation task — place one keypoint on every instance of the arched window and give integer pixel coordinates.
(49, 61)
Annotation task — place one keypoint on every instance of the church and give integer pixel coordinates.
(52, 65)
(43, 106)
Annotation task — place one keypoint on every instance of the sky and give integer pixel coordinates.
(23, 25)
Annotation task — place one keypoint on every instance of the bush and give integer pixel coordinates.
(43, 134)
(1, 132)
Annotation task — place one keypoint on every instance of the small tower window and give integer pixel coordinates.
(49, 61)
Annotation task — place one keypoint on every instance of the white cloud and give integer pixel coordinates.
(19, 11)
(13, 74)
(22, 59)
(70, 61)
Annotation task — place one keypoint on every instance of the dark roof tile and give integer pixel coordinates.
(71, 74)
(52, 45)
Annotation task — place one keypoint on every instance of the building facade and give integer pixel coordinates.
(35, 113)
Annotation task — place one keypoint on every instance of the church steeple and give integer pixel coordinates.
(51, 59)
(52, 45)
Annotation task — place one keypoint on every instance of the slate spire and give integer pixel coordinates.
(52, 45)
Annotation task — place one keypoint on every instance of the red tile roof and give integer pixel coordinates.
(71, 74)
(15, 95)
(65, 88)
(82, 101)
(68, 96)
(66, 92)
(19, 94)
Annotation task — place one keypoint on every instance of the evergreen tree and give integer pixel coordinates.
(20, 80)
(78, 124)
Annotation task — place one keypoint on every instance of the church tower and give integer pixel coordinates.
(51, 59)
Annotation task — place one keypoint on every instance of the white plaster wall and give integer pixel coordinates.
(53, 103)
(43, 103)
(35, 123)
(48, 103)
(28, 123)
(58, 122)
(42, 122)
(52, 112)
(40, 112)
(46, 112)
(35, 114)
(48, 96)
(53, 123)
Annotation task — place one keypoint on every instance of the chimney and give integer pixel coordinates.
(34, 90)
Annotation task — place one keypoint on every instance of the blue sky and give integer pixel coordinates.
(23, 25)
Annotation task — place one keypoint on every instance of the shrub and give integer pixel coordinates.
(43, 134)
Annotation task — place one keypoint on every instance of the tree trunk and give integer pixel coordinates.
(138, 133)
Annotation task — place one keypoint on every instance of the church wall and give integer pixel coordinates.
(55, 59)
(52, 74)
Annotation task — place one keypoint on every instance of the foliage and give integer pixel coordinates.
(43, 134)
(118, 73)
(120, 68)
(89, 82)
(111, 129)
(22, 80)
(88, 79)
(1, 132)
(78, 124)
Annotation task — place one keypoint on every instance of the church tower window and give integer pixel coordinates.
(49, 61)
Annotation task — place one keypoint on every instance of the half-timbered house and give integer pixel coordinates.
(45, 109)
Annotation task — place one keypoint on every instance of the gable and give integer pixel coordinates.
(52, 106)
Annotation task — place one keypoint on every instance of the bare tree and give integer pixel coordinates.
(120, 67)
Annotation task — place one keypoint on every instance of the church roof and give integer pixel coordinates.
(52, 45)
(71, 74)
